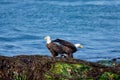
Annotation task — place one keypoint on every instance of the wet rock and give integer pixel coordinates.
(36, 67)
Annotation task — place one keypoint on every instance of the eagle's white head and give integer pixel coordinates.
(48, 39)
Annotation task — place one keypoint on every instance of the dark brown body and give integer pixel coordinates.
(67, 51)
(55, 49)
(67, 47)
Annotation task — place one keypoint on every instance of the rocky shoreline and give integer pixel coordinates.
(37, 67)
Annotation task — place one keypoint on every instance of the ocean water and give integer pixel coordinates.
(93, 23)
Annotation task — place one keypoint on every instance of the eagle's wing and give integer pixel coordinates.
(65, 43)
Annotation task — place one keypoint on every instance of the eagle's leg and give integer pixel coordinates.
(54, 55)
(70, 56)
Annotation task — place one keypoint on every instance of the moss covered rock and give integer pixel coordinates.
(109, 76)
(66, 71)
(36, 67)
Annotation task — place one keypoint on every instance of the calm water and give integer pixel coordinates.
(94, 24)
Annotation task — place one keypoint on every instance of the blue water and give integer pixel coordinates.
(94, 24)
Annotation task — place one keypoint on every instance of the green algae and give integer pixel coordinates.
(109, 76)
(20, 77)
(66, 71)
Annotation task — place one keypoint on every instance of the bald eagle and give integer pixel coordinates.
(59, 46)
(54, 48)
(68, 47)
